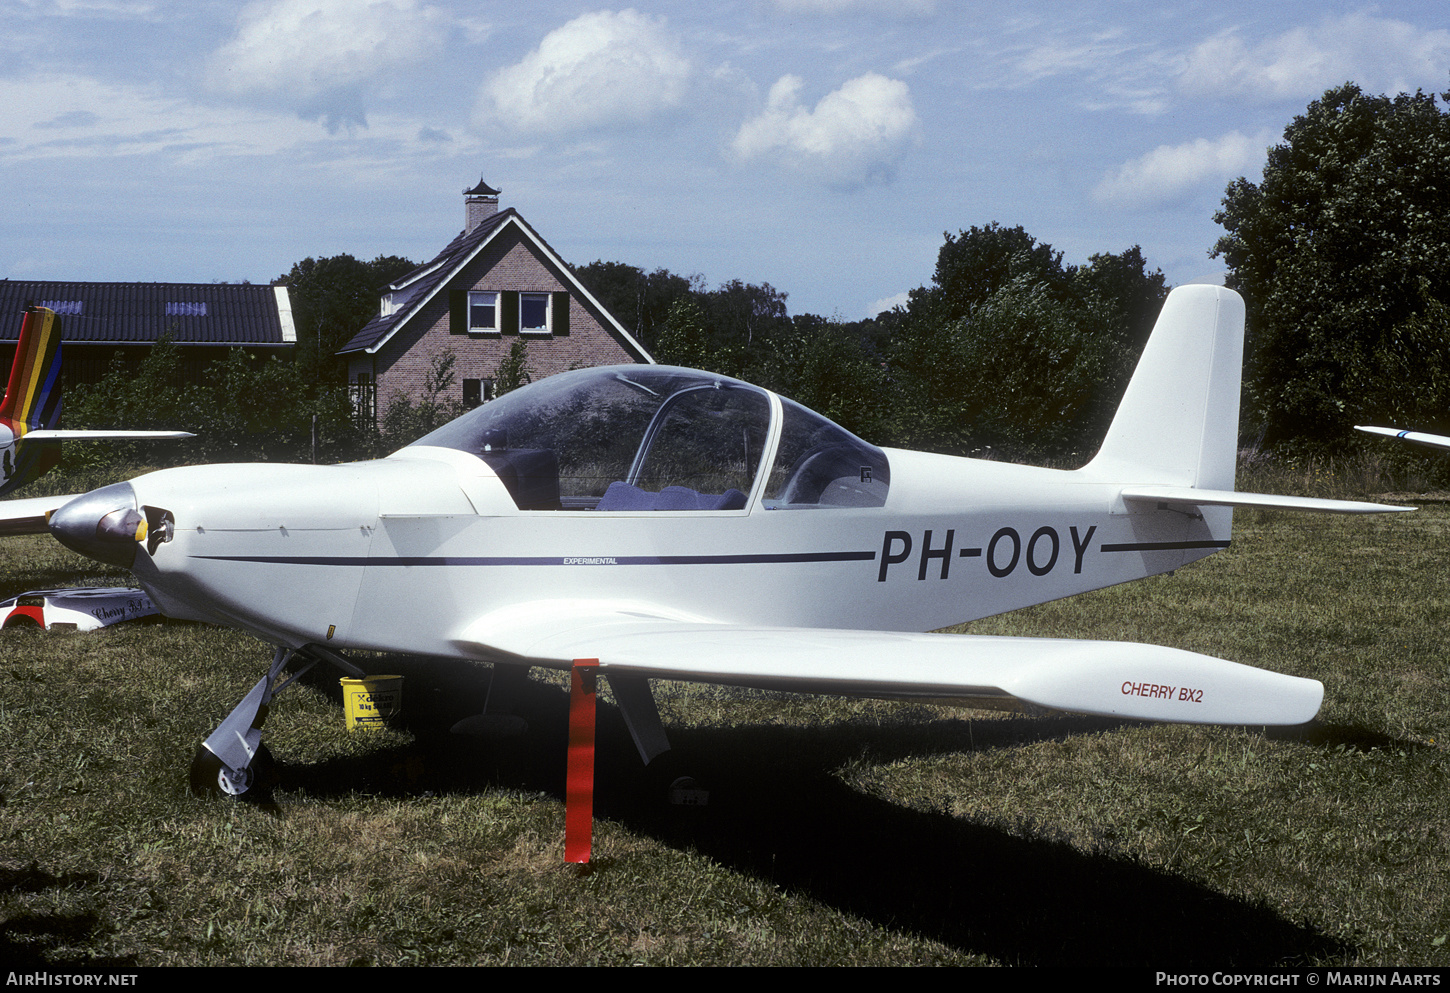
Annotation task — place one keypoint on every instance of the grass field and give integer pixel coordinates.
(839, 831)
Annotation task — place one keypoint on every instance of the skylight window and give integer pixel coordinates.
(186, 310)
(63, 306)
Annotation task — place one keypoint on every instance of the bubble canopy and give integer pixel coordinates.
(637, 437)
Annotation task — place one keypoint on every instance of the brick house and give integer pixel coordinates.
(495, 284)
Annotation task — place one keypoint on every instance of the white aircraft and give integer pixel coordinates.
(676, 524)
(1415, 437)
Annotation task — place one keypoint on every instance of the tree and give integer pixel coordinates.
(639, 300)
(1013, 352)
(1416, 351)
(1026, 375)
(973, 265)
(737, 313)
(332, 298)
(829, 367)
(683, 339)
(1343, 246)
(1133, 295)
(513, 369)
(246, 408)
(404, 422)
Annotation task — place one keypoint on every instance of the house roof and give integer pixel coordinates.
(141, 313)
(423, 283)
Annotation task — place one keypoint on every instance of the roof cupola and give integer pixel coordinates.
(479, 204)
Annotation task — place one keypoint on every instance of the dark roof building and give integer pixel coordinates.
(496, 283)
(140, 313)
(98, 319)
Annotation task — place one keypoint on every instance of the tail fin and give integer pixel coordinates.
(1174, 439)
(32, 398)
(1178, 422)
(30, 411)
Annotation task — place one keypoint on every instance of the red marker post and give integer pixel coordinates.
(579, 785)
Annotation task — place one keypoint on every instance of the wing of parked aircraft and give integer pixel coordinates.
(1414, 437)
(1107, 678)
(29, 516)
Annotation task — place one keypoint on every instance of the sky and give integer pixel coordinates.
(822, 146)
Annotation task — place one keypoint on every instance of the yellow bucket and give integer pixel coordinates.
(371, 701)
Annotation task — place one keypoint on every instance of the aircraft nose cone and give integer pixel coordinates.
(104, 524)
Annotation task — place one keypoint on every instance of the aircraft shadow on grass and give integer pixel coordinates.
(778, 813)
(28, 941)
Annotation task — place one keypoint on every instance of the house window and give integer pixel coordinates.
(482, 311)
(534, 313)
(477, 392)
(363, 395)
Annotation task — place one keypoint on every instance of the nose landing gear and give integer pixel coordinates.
(211, 777)
(233, 761)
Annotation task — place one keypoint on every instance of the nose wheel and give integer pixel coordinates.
(233, 761)
(210, 776)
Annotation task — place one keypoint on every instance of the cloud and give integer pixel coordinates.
(92, 8)
(64, 116)
(1172, 173)
(599, 70)
(1074, 53)
(888, 303)
(897, 7)
(1380, 54)
(69, 117)
(321, 58)
(855, 135)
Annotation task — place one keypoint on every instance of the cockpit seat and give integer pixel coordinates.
(623, 496)
(684, 498)
(531, 475)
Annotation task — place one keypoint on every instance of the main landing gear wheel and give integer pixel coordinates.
(210, 777)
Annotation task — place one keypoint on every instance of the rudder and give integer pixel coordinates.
(32, 397)
(1178, 421)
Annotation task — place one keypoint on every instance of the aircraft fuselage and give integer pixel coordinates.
(405, 553)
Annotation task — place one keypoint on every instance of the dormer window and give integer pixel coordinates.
(396, 299)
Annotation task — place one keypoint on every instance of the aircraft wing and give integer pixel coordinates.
(1115, 679)
(29, 516)
(80, 434)
(1188, 495)
(1417, 437)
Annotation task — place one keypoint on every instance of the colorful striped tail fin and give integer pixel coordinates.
(32, 398)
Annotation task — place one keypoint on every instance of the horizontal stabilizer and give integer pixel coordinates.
(1416, 437)
(28, 516)
(1184, 496)
(1114, 679)
(65, 434)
